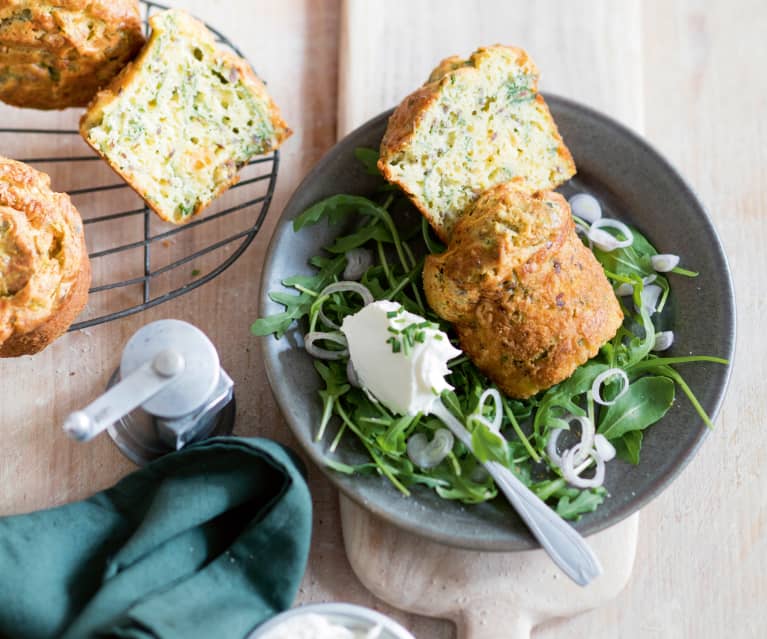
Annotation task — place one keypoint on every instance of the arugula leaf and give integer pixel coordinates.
(641, 246)
(628, 447)
(364, 235)
(469, 492)
(571, 502)
(552, 488)
(676, 377)
(523, 441)
(684, 272)
(489, 446)
(587, 501)
(319, 261)
(335, 386)
(275, 324)
(336, 209)
(347, 469)
(453, 404)
(394, 441)
(372, 279)
(630, 260)
(559, 399)
(282, 297)
(434, 246)
(297, 306)
(640, 347)
(374, 416)
(644, 403)
(369, 159)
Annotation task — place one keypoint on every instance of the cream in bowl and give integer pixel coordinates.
(331, 621)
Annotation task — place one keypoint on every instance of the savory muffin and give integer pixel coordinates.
(475, 123)
(529, 301)
(179, 122)
(44, 267)
(58, 53)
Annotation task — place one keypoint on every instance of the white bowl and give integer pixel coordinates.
(349, 616)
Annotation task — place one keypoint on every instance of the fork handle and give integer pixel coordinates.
(567, 548)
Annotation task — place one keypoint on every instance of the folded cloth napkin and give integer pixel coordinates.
(206, 542)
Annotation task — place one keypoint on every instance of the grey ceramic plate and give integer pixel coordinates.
(634, 183)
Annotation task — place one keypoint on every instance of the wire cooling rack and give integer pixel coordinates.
(139, 261)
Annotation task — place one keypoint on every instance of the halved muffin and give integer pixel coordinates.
(179, 122)
(44, 267)
(475, 123)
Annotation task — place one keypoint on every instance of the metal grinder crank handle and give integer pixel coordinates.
(142, 384)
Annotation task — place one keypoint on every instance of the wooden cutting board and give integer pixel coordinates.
(487, 595)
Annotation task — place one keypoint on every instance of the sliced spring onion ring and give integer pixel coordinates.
(347, 285)
(481, 419)
(428, 454)
(624, 289)
(604, 448)
(495, 425)
(358, 260)
(663, 340)
(603, 240)
(324, 353)
(586, 442)
(327, 321)
(572, 475)
(587, 437)
(606, 222)
(650, 296)
(596, 387)
(664, 262)
(341, 287)
(586, 207)
(551, 446)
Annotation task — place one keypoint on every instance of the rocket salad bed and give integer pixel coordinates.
(556, 442)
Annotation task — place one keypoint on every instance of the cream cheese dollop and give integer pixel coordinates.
(399, 357)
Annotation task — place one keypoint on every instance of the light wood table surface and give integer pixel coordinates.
(688, 74)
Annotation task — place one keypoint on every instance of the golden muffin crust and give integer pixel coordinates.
(475, 123)
(179, 122)
(44, 267)
(58, 53)
(529, 301)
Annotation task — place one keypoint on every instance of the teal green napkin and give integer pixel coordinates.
(206, 542)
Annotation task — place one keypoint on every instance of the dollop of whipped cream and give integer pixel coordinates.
(400, 357)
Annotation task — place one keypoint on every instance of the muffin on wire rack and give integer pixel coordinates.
(44, 267)
(56, 54)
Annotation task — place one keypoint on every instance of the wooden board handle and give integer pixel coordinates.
(506, 623)
(487, 595)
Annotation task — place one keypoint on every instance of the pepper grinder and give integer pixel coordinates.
(170, 390)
